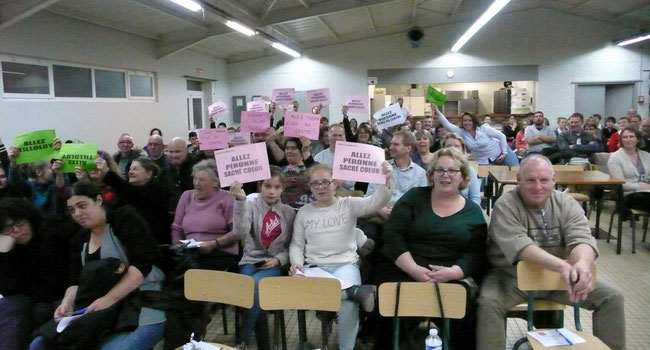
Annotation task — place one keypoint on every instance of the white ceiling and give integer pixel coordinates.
(302, 24)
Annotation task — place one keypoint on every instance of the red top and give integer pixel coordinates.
(271, 228)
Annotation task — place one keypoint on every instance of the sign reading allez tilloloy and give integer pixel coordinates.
(218, 109)
(357, 104)
(213, 138)
(74, 155)
(319, 97)
(283, 96)
(35, 146)
(358, 162)
(255, 121)
(389, 116)
(298, 124)
(246, 163)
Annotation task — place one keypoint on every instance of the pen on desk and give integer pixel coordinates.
(563, 336)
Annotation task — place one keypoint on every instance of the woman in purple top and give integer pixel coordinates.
(487, 145)
(205, 214)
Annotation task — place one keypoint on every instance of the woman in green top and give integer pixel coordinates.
(435, 235)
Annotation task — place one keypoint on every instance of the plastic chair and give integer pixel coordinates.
(532, 277)
(420, 299)
(300, 293)
(219, 287)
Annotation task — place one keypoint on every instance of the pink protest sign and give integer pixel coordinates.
(213, 138)
(358, 162)
(319, 97)
(282, 96)
(255, 121)
(246, 163)
(218, 109)
(256, 106)
(298, 124)
(239, 138)
(357, 104)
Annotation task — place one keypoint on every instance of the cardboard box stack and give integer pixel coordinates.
(520, 101)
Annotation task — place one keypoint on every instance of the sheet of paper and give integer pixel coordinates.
(283, 96)
(200, 345)
(218, 109)
(358, 162)
(78, 155)
(389, 116)
(298, 124)
(318, 272)
(255, 121)
(65, 322)
(256, 106)
(239, 138)
(213, 138)
(357, 104)
(556, 337)
(246, 163)
(192, 243)
(319, 97)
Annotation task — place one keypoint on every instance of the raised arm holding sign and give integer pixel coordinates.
(435, 96)
(35, 146)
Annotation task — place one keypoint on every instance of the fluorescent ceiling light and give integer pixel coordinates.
(480, 22)
(287, 50)
(188, 4)
(240, 28)
(633, 39)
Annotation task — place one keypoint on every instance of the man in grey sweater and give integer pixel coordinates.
(537, 224)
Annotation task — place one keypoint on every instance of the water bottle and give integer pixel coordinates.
(433, 341)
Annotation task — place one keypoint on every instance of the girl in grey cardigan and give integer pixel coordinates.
(266, 224)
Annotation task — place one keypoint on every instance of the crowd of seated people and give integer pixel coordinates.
(425, 223)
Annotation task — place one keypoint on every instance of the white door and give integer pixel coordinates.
(194, 112)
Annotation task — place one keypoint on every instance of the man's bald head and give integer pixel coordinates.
(177, 151)
(536, 160)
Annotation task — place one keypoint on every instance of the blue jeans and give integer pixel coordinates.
(348, 314)
(510, 159)
(255, 315)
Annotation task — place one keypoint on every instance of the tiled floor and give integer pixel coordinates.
(630, 272)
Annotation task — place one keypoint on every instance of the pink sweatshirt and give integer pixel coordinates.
(205, 219)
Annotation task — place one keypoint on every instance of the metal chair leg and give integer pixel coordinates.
(611, 222)
(634, 233)
(645, 228)
(283, 331)
(519, 343)
(224, 319)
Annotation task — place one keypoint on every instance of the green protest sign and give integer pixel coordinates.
(436, 96)
(35, 146)
(78, 155)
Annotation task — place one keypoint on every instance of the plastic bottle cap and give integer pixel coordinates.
(433, 331)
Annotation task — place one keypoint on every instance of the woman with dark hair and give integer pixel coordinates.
(323, 141)
(609, 129)
(121, 234)
(142, 191)
(205, 214)
(511, 131)
(631, 163)
(296, 193)
(481, 139)
(34, 260)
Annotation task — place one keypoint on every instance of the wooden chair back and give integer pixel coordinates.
(419, 299)
(532, 277)
(300, 293)
(219, 287)
(568, 168)
(484, 170)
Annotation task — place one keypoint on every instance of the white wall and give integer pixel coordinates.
(566, 48)
(49, 36)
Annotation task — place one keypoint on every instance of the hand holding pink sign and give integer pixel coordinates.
(298, 124)
(255, 121)
(359, 162)
(283, 96)
(213, 138)
(319, 97)
(218, 109)
(243, 163)
(357, 104)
